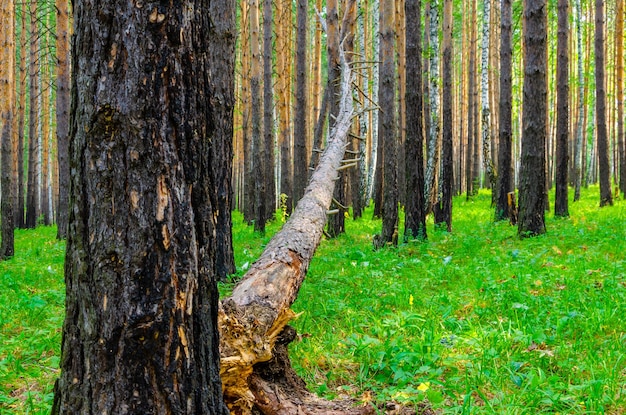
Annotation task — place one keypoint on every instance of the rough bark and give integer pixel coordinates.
(619, 58)
(21, 115)
(562, 117)
(415, 217)
(32, 206)
(62, 114)
(268, 109)
(7, 105)
(300, 167)
(533, 160)
(606, 195)
(253, 319)
(388, 132)
(505, 148)
(443, 212)
(470, 154)
(578, 153)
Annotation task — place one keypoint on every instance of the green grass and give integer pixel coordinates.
(476, 321)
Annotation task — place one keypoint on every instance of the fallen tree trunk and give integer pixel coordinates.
(255, 370)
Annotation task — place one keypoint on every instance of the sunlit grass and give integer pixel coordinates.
(476, 321)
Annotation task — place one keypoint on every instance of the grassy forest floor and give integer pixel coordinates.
(476, 321)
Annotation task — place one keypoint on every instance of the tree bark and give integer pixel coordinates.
(470, 186)
(7, 106)
(619, 58)
(578, 153)
(268, 109)
(32, 206)
(432, 161)
(606, 195)
(505, 154)
(533, 157)
(63, 113)
(252, 321)
(415, 217)
(485, 113)
(140, 334)
(562, 117)
(300, 166)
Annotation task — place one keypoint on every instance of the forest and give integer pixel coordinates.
(247, 207)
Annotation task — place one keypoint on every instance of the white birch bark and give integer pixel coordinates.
(372, 167)
(484, 97)
(433, 87)
(364, 114)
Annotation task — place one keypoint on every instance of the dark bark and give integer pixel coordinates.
(300, 164)
(471, 154)
(562, 117)
(222, 86)
(388, 132)
(140, 334)
(606, 196)
(415, 217)
(619, 38)
(19, 178)
(268, 110)
(533, 157)
(32, 205)
(63, 114)
(444, 205)
(7, 125)
(377, 188)
(505, 148)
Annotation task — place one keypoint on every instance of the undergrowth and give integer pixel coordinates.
(475, 321)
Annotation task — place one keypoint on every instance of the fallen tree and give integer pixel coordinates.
(256, 374)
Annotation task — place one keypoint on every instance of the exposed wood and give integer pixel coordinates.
(253, 319)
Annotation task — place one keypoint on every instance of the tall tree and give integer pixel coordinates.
(388, 131)
(443, 211)
(300, 165)
(62, 113)
(21, 115)
(533, 158)
(470, 158)
(258, 150)
(580, 123)
(619, 58)
(606, 197)
(7, 105)
(32, 206)
(268, 109)
(505, 148)
(485, 113)
(562, 116)
(433, 145)
(415, 215)
(140, 333)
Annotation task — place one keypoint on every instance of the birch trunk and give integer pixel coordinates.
(432, 163)
(484, 99)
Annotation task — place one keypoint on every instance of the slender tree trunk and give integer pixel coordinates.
(444, 205)
(32, 205)
(485, 114)
(471, 155)
(562, 117)
(432, 163)
(400, 22)
(63, 113)
(606, 196)
(415, 217)
(259, 153)
(268, 110)
(300, 168)
(246, 102)
(374, 174)
(19, 205)
(533, 158)
(7, 106)
(46, 97)
(388, 131)
(283, 94)
(140, 334)
(578, 155)
(505, 155)
(619, 59)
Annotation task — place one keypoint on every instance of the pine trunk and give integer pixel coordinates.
(62, 114)
(268, 110)
(578, 154)
(300, 166)
(533, 157)
(140, 334)
(470, 186)
(19, 176)
(606, 196)
(32, 205)
(619, 58)
(562, 117)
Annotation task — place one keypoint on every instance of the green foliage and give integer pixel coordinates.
(475, 321)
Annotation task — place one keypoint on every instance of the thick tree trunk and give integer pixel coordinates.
(533, 159)
(63, 114)
(140, 334)
(505, 154)
(606, 195)
(485, 113)
(300, 165)
(415, 217)
(562, 118)
(7, 105)
(252, 321)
